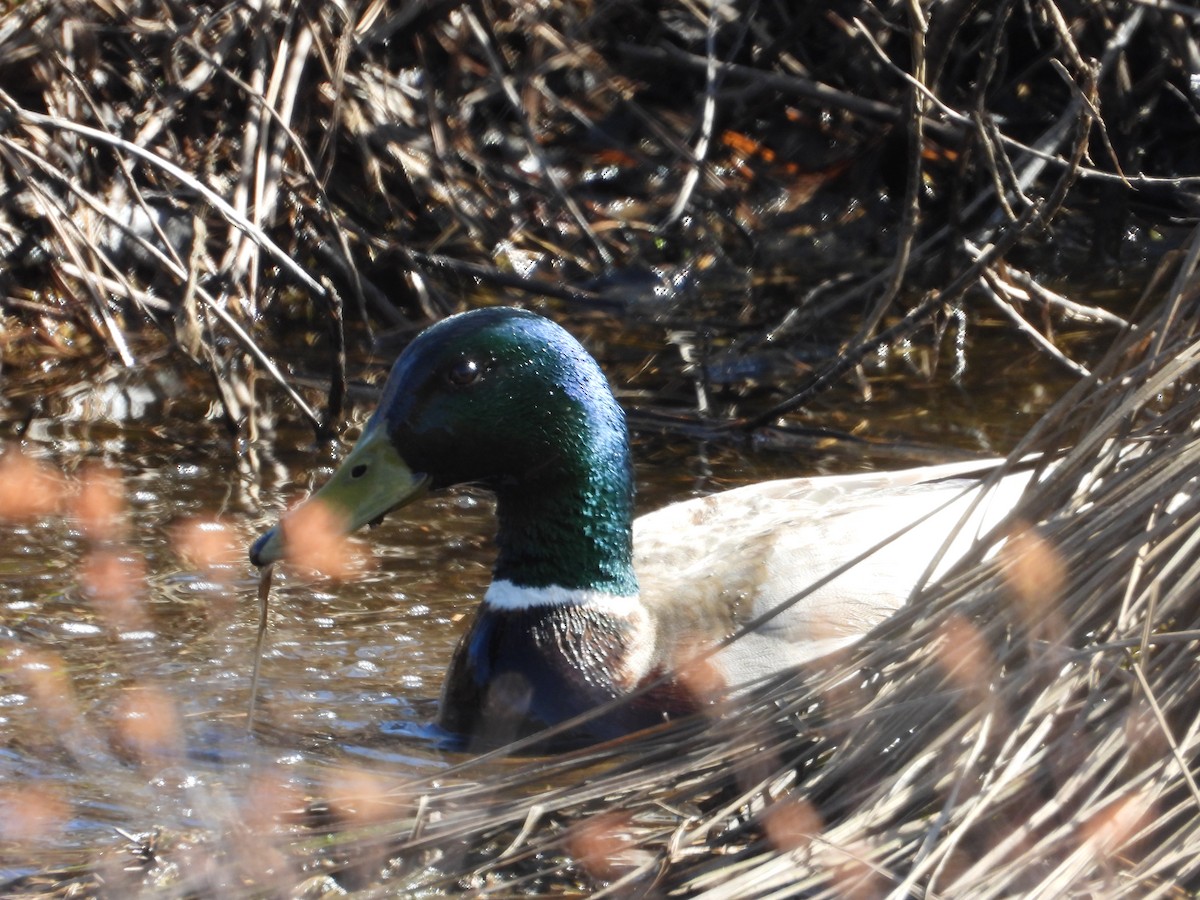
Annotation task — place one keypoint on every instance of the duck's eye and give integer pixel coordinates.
(463, 372)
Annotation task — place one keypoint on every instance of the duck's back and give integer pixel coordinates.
(709, 566)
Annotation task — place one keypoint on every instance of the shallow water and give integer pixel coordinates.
(124, 690)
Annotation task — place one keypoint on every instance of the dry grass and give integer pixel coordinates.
(1030, 727)
(225, 173)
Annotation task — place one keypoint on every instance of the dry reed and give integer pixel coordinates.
(1030, 726)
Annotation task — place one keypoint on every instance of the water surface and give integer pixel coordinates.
(125, 664)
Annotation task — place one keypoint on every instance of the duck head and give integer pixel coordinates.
(506, 399)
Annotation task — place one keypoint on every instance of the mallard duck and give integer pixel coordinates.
(587, 605)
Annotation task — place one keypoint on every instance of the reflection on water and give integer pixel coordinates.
(129, 617)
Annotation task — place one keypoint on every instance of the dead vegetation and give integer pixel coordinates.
(237, 176)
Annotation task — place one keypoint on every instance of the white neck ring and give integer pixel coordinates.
(503, 594)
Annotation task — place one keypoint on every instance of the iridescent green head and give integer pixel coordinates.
(506, 399)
